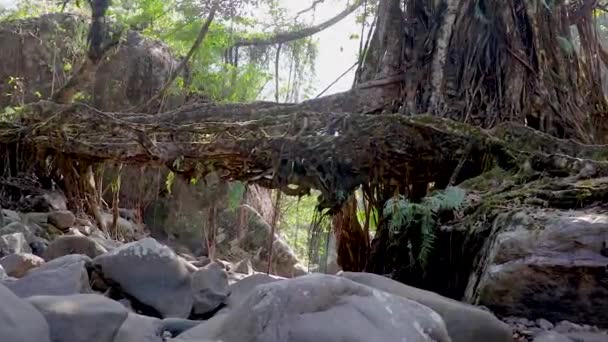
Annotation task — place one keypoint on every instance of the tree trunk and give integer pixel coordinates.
(487, 62)
(484, 63)
(351, 243)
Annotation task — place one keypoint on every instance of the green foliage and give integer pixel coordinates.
(9, 113)
(29, 8)
(362, 214)
(115, 185)
(373, 221)
(215, 72)
(16, 89)
(139, 14)
(405, 215)
(81, 96)
(177, 23)
(236, 190)
(301, 55)
(296, 217)
(169, 181)
(365, 14)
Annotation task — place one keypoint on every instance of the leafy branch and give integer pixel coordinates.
(180, 68)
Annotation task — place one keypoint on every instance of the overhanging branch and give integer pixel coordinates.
(285, 37)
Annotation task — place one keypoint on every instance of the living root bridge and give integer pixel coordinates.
(294, 147)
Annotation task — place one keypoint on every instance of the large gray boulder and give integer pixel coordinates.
(14, 243)
(39, 246)
(41, 201)
(20, 321)
(72, 244)
(458, 317)
(202, 331)
(243, 267)
(9, 216)
(587, 336)
(551, 336)
(63, 276)
(138, 328)
(240, 290)
(176, 326)
(234, 277)
(325, 308)
(17, 265)
(62, 219)
(541, 259)
(285, 262)
(126, 228)
(130, 75)
(80, 259)
(209, 288)
(151, 273)
(40, 219)
(29, 231)
(106, 243)
(81, 317)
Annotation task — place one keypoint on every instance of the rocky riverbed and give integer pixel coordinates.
(62, 280)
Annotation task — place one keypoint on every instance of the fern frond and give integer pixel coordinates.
(427, 237)
(402, 214)
(453, 198)
(396, 209)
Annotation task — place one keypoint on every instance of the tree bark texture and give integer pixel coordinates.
(352, 246)
(492, 61)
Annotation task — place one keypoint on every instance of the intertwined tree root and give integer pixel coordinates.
(297, 147)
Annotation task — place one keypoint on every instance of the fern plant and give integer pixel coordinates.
(403, 214)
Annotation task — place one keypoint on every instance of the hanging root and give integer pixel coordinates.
(114, 232)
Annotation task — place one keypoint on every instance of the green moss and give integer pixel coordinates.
(600, 154)
(486, 180)
(449, 125)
